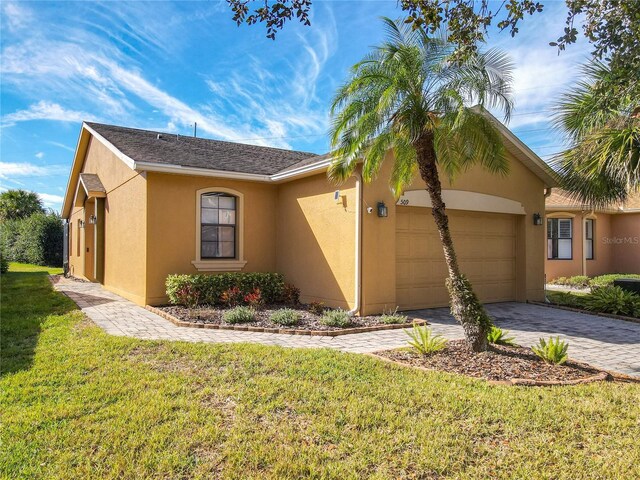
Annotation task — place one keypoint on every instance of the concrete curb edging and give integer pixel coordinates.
(287, 331)
(519, 382)
(587, 312)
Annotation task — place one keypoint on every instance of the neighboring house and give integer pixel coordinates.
(583, 241)
(142, 205)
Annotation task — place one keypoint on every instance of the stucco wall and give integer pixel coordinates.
(616, 245)
(316, 239)
(125, 225)
(625, 228)
(171, 244)
(520, 185)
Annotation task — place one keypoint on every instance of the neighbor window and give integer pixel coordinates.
(218, 225)
(559, 239)
(589, 225)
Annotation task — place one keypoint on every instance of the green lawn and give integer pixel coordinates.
(77, 403)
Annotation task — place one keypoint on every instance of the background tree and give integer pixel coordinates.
(408, 97)
(601, 118)
(612, 26)
(16, 204)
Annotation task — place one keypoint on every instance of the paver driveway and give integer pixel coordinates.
(603, 342)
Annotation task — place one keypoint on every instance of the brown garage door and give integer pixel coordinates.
(485, 244)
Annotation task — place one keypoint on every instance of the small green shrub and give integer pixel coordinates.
(424, 341)
(239, 315)
(499, 337)
(566, 299)
(336, 318)
(393, 317)
(317, 308)
(613, 300)
(607, 280)
(211, 287)
(552, 351)
(285, 316)
(575, 281)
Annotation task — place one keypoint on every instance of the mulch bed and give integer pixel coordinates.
(309, 322)
(515, 365)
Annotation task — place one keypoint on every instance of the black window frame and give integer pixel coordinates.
(233, 226)
(587, 239)
(553, 235)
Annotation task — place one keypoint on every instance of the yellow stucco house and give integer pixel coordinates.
(141, 205)
(586, 241)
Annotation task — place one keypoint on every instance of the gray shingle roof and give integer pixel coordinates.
(92, 182)
(170, 149)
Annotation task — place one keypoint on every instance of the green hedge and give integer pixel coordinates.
(36, 239)
(207, 289)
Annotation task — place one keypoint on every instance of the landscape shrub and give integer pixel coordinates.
(424, 341)
(211, 287)
(566, 299)
(552, 351)
(290, 294)
(498, 336)
(607, 280)
(613, 300)
(336, 318)
(231, 297)
(254, 299)
(36, 239)
(239, 315)
(317, 308)
(285, 317)
(188, 295)
(579, 281)
(393, 317)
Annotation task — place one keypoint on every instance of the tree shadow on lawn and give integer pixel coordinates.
(28, 299)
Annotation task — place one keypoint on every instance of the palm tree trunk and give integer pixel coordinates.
(465, 306)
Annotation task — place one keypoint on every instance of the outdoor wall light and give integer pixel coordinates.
(537, 219)
(383, 211)
(81, 224)
(93, 219)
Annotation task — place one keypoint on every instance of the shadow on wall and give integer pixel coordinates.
(28, 300)
(315, 248)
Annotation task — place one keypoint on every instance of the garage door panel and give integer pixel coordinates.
(485, 245)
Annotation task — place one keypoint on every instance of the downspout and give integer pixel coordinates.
(547, 192)
(358, 246)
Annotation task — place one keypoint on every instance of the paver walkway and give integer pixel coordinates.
(603, 342)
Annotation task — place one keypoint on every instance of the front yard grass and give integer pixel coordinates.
(77, 403)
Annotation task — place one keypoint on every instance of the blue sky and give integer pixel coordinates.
(163, 66)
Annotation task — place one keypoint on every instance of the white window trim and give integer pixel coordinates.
(223, 264)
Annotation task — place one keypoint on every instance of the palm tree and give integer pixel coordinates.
(409, 97)
(601, 118)
(15, 204)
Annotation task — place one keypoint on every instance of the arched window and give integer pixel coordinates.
(219, 230)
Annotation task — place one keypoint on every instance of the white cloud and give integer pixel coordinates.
(44, 110)
(39, 155)
(15, 16)
(8, 170)
(61, 145)
(50, 200)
